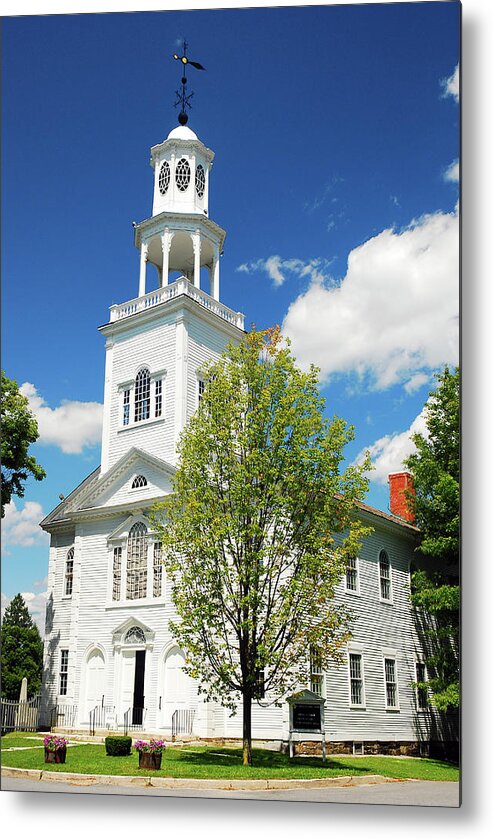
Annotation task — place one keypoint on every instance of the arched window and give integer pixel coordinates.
(137, 562)
(200, 180)
(182, 176)
(385, 576)
(135, 635)
(69, 572)
(164, 174)
(142, 395)
(139, 481)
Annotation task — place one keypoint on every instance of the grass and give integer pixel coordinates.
(21, 738)
(210, 762)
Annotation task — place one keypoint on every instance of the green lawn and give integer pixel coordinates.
(22, 738)
(210, 762)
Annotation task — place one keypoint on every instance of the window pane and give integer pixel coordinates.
(157, 581)
(142, 395)
(126, 407)
(158, 408)
(356, 679)
(137, 562)
(422, 693)
(390, 683)
(352, 574)
(117, 573)
(384, 569)
(63, 672)
(69, 572)
(316, 673)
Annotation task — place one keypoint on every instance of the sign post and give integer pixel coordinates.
(306, 719)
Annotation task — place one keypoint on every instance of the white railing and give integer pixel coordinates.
(169, 292)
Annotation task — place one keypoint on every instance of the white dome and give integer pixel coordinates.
(182, 132)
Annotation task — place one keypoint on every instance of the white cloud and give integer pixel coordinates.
(276, 268)
(395, 313)
(21, 527)
(36, 603)
(451, 85)
(388, 453)
(415, 382)
(452, 172)
(72, 426)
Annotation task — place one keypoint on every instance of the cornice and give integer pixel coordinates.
(177, 144)
(155, 225)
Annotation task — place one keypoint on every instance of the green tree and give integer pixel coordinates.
(22, 650)
(435, 467)
(259, 528)
(19, 430)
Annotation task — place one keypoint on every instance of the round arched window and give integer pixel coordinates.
(200, 180)
(182, 174)
(164, 175)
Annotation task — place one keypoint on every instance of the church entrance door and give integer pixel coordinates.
(94, 681)
(132, 689)
(179, 691)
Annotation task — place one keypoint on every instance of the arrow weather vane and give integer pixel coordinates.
(182, 97)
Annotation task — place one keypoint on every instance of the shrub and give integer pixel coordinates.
(118, 746)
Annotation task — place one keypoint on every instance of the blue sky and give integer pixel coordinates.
(336, 131)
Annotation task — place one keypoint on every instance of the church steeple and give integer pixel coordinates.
(179, 236)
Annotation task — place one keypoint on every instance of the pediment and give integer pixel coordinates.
(307, 696)
(121, 485)
(133, 633)
(121, 532)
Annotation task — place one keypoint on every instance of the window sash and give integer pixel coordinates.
(259, 688)
(157, 571)
(63, 672)
(69, 573)
(316, 672)
(352, 574)
(421, 692)
(158, 398)
(385, 577)
(356, 678)
(390, 682)
(126, 407)
(117, 573)
(137, 563)
(142, 395)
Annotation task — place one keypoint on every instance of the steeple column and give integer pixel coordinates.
(214, 274)
(166, 246)
(143, 265)
(196, 258)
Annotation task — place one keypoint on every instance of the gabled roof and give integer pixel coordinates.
(83, 496)
(58, 513)
(388, 517)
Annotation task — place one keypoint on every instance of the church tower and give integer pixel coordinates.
(157, 342)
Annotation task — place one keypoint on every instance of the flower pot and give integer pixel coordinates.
(57, 756)
(150, 760)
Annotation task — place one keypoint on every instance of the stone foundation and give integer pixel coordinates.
(374, 747)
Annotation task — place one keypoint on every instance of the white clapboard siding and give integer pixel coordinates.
(151, 346)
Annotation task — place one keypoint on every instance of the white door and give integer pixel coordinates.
(94, 681)
(127, 682)
(179, 689)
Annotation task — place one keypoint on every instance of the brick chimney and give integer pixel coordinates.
(399, 482)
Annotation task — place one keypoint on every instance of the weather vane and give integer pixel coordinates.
(182, 97)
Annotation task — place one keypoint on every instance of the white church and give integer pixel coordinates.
(110, 660)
